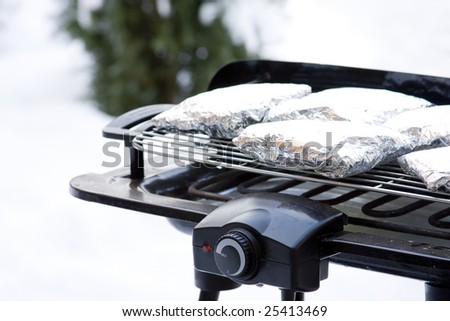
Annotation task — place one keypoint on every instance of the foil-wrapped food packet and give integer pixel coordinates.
(334, 149)
(225, 112)
(426, 127)
(367, 105)
(432, 166)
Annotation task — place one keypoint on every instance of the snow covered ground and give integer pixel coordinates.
(56, 247)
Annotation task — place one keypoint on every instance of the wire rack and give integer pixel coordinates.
(190, 148)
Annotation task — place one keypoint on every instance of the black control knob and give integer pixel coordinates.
(236, 254)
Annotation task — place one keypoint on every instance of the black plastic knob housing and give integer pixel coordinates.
(267, 238)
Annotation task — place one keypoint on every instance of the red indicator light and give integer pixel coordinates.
(207, 248)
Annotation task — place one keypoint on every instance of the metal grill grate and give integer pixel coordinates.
(194, 148)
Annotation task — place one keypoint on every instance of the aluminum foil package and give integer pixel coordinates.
(367, 105)
(334, 149)
(431, 166)
(426, 127)
(225, 112)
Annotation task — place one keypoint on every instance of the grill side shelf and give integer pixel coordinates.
(117, 189)
(393, 256)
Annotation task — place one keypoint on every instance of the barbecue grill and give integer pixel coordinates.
(252, 224)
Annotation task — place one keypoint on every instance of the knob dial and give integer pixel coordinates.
(235, 254)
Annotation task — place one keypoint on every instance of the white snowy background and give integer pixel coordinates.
(56, 247)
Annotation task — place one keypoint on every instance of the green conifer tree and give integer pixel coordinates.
(150, 51)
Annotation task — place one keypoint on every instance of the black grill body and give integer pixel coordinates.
(392, 223)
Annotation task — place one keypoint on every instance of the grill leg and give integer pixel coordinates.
(208, 295)
(437, 292)
(290, 295)
(210, 285)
